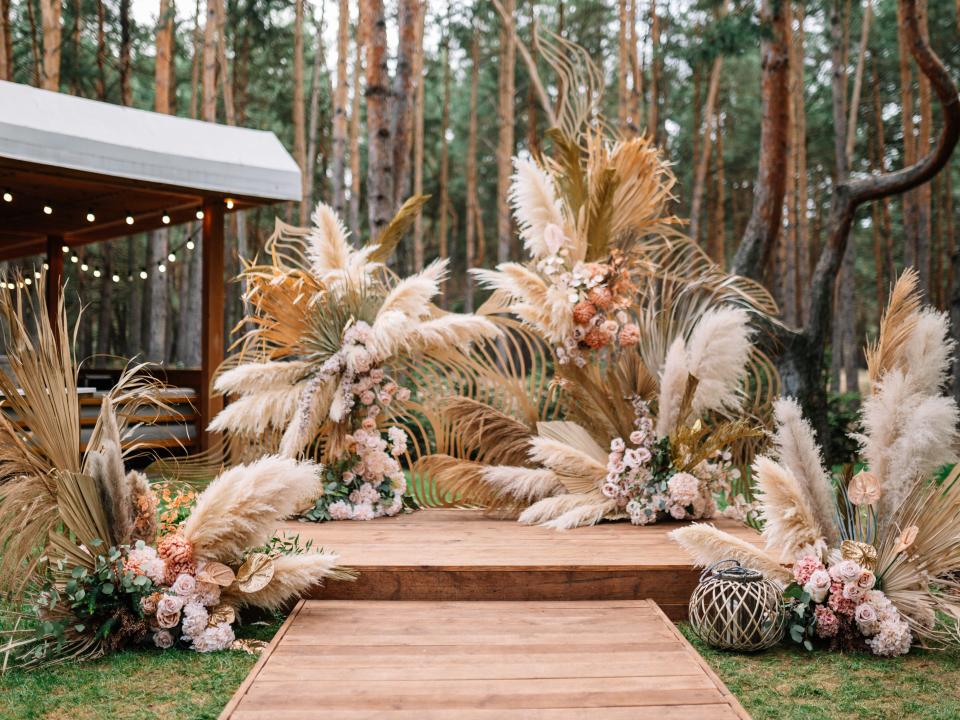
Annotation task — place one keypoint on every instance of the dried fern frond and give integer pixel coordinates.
(707, 545)
(896, 326)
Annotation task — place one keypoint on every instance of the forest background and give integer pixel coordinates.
(759, 107)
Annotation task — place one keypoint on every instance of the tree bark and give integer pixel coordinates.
(210, 63)
(858, 81)
(164, 57)
(35, 51)
(340, 99)
(418, 143)
(505, 138)
(354, 133)
(911, 227)
(50, 18)
(6, 42)
(623, 65)
(229, 109)
(763, 227)
(126, 88)
(380, 143)
(472, 202)
(798, 107)
(313, 120)
(653, 105)
(299, 116)
(923, 193)
(444, 183)
(404, 95)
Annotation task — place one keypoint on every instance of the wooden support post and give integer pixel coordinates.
(212, 332)
(54, 287)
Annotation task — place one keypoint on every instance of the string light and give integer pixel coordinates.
(143, 274)
(165, 219)
(36, 275)
(116, 278)
(191, 244)
(27, 281)
(96, 272)
(161, 267)
(47, 210)
(65, 248)
(84, 267)
(229, 202)
(90, 216)
(172, 257)
(7, 195)
(46, 266)
(74, 259)
(11, 286)
(129, 219)
(199, 214)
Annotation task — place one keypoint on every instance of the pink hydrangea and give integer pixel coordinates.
(827, 623)
(683, 488)
(838, 603)
(805, 567)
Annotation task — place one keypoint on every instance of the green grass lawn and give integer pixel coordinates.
(132, 685)
(788, 683)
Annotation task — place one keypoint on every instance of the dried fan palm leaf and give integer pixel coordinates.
(458, 482)
(496, 438)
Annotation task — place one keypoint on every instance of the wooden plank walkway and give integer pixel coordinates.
(422, 660)
(449, 554)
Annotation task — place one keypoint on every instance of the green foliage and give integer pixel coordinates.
(842, 419)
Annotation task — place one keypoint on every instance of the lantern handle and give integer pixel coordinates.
(712, 569)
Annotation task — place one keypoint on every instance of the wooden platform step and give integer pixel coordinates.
(462, 555)
(403, 660)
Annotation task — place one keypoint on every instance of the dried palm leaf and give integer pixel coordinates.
(401, 223)
(495, 437)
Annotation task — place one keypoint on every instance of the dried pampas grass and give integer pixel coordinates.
(791, 527)
(928, 354)
(293, 577)
(707, 545)
(259, 413)
(717, 353)
(241, 508)
(412, 295)
(673, 384)
(565, 512)
(258, 377)
(535, 205)
(579, 471)
(327, 246)
(896, 327)
(798, 452)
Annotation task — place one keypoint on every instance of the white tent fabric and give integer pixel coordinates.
(59, 130)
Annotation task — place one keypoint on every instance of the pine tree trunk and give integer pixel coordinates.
(798, 106)
(354, 134)
(472, 203)
(340, 99)
(623, 65)
(229, 110)
(444, 184)
(404, 96)
(380, 141)
(763, 227)
(164, 57)
(418, 143)
(505, 138)
(126, 87)
(75, 77)
(210, 63)
(788, 235)
(299, 117)
(6, 42)
(195, 64)
(923, 193)
(313, 120)
(50, 16)
(35, 51)
(192, 321)
(911, 228)
(717, 247)
(653, 105)
(636, 103)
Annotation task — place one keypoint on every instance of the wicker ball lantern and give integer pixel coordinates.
(736, 608)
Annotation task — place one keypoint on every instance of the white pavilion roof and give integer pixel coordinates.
(59, 130)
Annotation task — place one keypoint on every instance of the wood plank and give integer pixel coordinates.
(415, 659)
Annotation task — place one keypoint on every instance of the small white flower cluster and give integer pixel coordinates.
(376, 477)
(184, 605)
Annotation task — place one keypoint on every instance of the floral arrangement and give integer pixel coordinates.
(88, 565)
(333, 326)
(873, 559)
(839, 604)
(368, 481)
(643, 349)
(174, 502)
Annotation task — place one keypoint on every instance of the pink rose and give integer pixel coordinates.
(368, 424)
(403, 394)
(867, 580)
(818, 585)
(168, 620)
(867, 618)
(163, 639)
(827, 622)
(185, 585)
(845, 571)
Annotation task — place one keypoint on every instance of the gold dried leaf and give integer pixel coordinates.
(248, 645)
(216, 573)
(864, 488)
(222, 613)
(906, 538)
(861, 553)
(255, 573)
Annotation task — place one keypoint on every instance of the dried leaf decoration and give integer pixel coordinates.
(388, 240)
(864, 488)
(255, 573)
(906, 538)
(222, 613)
(217, 573)
(861, 553)
(248, 645)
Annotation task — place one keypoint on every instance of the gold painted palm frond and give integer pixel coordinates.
(279, 312)
(399, 226)
(692, 444)
(896, 328)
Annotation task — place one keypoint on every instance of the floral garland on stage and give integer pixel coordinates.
(93, 559)
(875, 562)
(333, 329)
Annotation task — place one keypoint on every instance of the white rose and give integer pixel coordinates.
(818, 585)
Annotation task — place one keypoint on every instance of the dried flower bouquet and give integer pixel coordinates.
(334, 331)
(87, 565)
(874, 560)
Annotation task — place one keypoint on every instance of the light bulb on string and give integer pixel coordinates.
(229, 203)
(7, 195)
(74, 259)
(46, 266)
(27, 281)
(129, 218)
(161, 267)
(143, 274)
(165, 218)
(96, 272)
(11, 286)
(199, 214)
(65, 248)
(47, 209)
(90, 216)
(36, 274)
(172, 257)
(116, 278)
(84, 267)
(191, 244)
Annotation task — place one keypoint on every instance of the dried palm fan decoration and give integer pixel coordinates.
(331, 328)
(651, 342)
(91, 571)
(876, 563)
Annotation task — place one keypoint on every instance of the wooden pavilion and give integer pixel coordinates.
(75, 171)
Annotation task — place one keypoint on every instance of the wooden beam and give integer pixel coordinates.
(54, 288)
(212, 328)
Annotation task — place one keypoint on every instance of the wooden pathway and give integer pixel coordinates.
(422, 660)
(461, 555)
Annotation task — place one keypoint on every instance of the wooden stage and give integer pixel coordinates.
(448, 554)
(402, 660)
